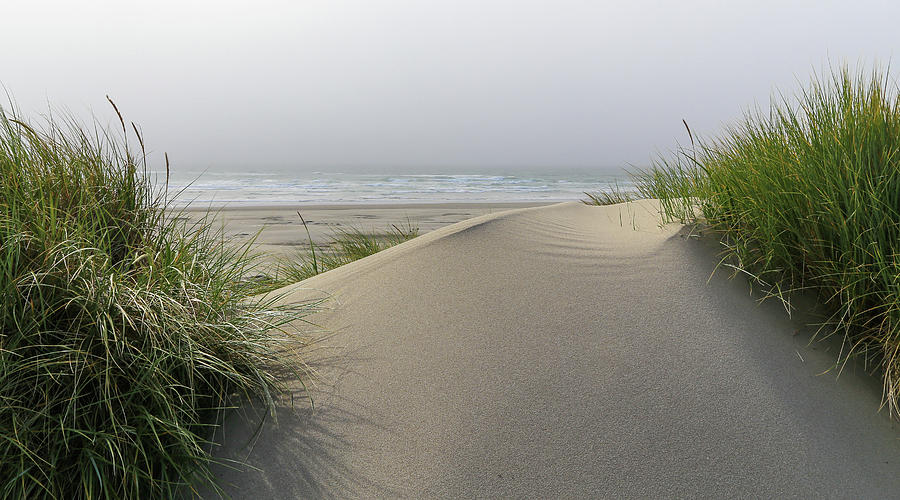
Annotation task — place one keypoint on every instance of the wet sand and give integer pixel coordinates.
(282, 234)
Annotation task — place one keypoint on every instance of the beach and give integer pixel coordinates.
(446, 250)
(279, 233)
(562, 351)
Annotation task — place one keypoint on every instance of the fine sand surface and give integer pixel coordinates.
(564, 351)
(279, 232)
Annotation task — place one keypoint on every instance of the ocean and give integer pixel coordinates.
(282, 187)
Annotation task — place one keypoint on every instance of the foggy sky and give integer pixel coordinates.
(426, 84)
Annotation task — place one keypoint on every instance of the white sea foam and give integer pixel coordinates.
(235, 188)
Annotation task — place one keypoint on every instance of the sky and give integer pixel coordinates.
(426, 85)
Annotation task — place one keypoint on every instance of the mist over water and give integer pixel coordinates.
(328, 85)
(353, 101)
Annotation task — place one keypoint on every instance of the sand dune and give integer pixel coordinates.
(278, 232)
(565, 351)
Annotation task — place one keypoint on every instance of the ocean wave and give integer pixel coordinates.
(320, 187)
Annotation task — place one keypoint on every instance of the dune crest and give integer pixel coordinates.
(564, 351)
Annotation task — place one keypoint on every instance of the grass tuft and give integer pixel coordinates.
(610, 196)
(806, 195)
(346, 245)
(123, 333)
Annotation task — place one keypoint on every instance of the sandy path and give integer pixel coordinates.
(565, 351)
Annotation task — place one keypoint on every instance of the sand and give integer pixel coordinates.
(279, 232)
(564, 351)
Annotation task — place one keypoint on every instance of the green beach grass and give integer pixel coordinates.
(806, 196)
(346, 246)
(124, 334)
(610, 196)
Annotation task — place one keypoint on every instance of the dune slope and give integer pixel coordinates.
(564, 351)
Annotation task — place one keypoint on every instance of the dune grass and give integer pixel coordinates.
(806, 195)
(610, 196)
(123, 333)
(346, 245)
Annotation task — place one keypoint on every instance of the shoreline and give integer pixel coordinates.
(195, 208)
(279, 233)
